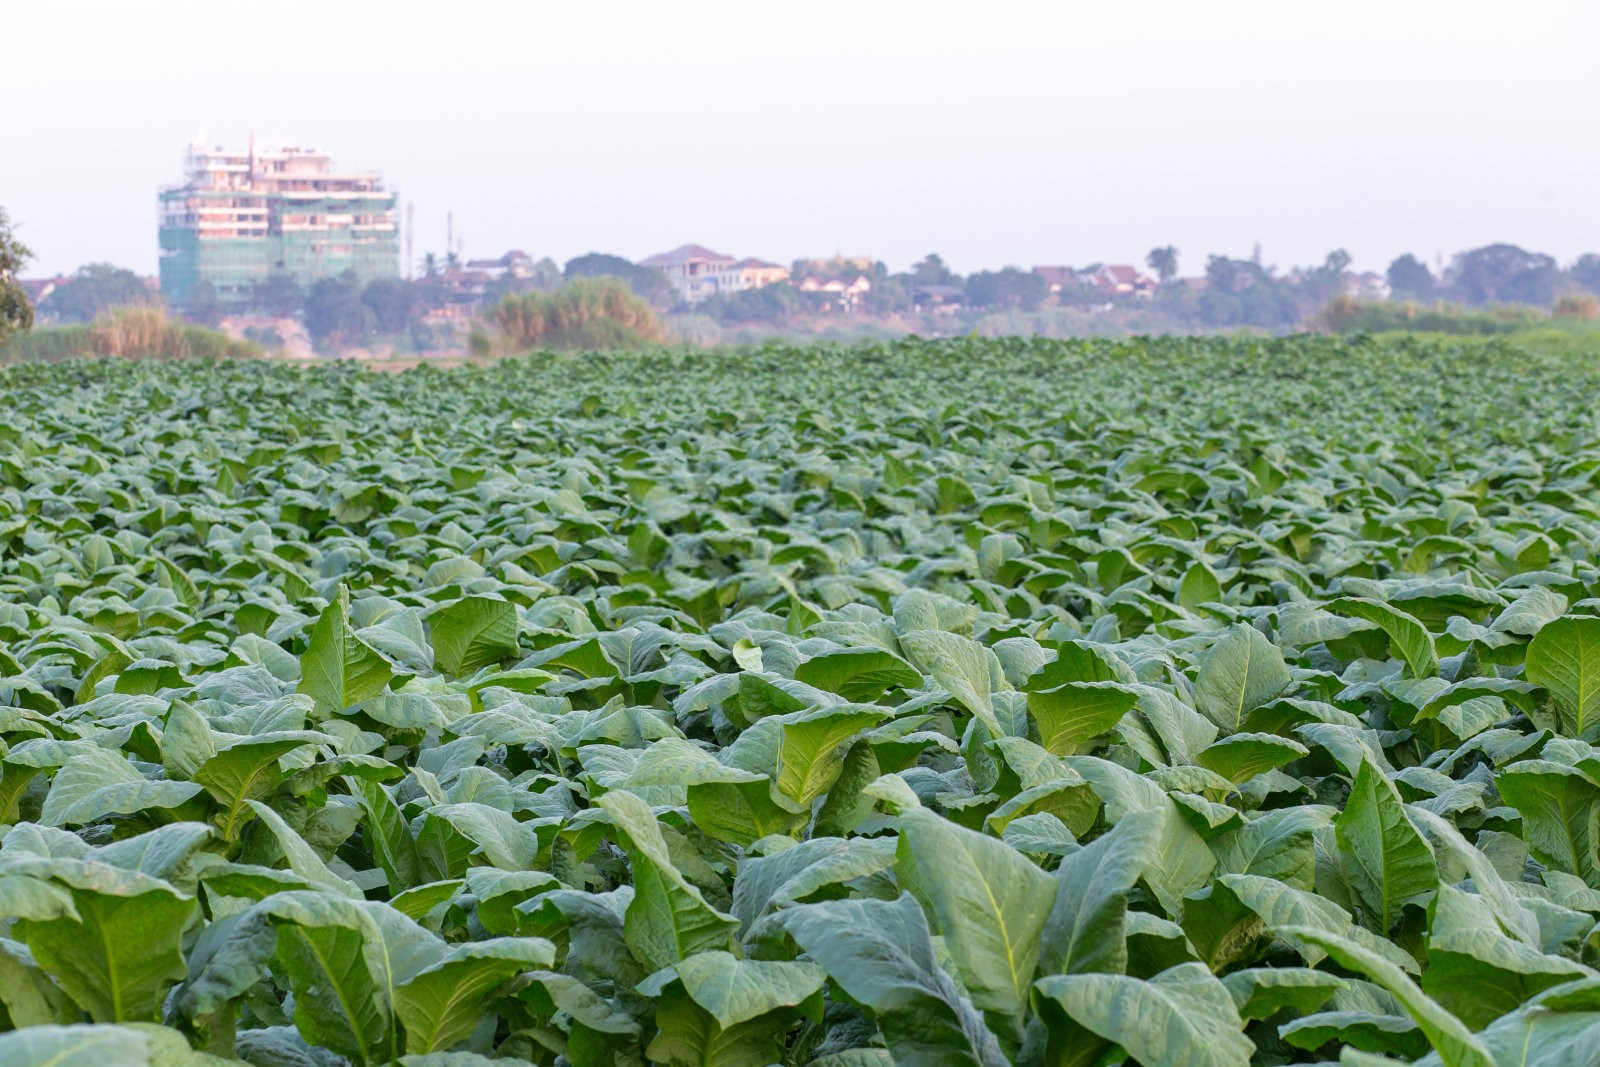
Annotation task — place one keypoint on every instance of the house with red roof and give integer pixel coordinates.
(1059, 278)
(1122, 279)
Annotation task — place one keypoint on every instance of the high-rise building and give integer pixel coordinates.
(240, 217)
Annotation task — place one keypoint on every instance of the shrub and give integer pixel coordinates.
(1345, 314)
(1577, 306)
(130, 332)
(585, 313)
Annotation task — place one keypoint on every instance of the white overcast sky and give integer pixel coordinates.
(992, 131)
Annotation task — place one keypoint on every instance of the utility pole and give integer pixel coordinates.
(411, 237)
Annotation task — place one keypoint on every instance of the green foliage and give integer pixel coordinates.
(597, 313)
(644, 282)
(1345, 314)
(922, 702)
(16, 313)
(92, 291)
(336, 314)
(127, 332)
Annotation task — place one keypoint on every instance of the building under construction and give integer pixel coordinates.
(240, 217)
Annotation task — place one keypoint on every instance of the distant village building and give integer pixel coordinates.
(835, 265)
(752, 273)
(1367, 285)
(695, 271)
(239, 217)
(1122, 279)
(1059, 278)
(848, 294)
(944, 299)
(514, 264)
(36, 289)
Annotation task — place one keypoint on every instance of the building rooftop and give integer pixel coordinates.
(683, 254)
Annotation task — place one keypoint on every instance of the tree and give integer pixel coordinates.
(279, 294)
(335, 314)
(888, 295)
(1324, 283)
(598, 265)
(93, 289)
(770, 303)
(203, 308)
(392, 303)
(16, 314)
(652, 285)
(1503, 272)
(1164, 261)
(1586, 272)
(1410, 277)
(930, 270)
(1225, 275)
(546, 275)
(1007, 288)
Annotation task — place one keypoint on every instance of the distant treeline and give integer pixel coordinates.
(1227, 293)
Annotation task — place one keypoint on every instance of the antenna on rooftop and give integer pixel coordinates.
(449, 232)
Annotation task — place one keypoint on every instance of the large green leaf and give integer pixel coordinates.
(988, 900)
(859, 675)
(1274, 844)
(1386, 859)
(808, 747)
(122, 953)
(388, 835)
(96, 783)
(1073, 713)
(472, 633)
(960, 665)
(75, 1046)
(1477, 973)
(1086, 928)
(337, 668)
(726, 1014)
(668, 918)
(880, 954)
(1182, 1017)
(338, 1002)
(1564, 657)
(1560, 809)
(440, 1004)
(1407, 633)
(246, 769)
(1447, 1034)
(1242, 671)
(345, 960)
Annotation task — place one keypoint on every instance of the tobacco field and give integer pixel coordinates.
(1179, 702)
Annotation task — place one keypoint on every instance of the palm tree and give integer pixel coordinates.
(1164, 261)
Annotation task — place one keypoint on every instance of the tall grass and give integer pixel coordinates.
(1345, 314)
(586, 313)
(130, 332)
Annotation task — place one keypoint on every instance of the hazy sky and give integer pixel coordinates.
(992, 131)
